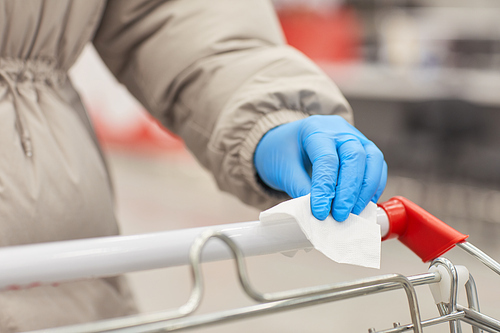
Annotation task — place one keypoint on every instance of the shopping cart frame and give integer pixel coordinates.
(183, 317)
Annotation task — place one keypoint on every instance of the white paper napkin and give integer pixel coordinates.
(355, 241)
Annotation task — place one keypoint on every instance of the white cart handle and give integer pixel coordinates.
(51, 263)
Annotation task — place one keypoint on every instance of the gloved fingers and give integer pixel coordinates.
(381, 186)
(372, 177)
(296, 180)
(325, 163)
(352, 157)
(324, 180)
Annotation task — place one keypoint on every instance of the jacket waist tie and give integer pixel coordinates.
(20, 121)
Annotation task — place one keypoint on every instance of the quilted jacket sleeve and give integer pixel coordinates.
(217, 73)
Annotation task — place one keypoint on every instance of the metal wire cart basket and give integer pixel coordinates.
(428, 237)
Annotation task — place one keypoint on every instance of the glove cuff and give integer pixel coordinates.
(249, 145)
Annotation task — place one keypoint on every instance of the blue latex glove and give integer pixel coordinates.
(347, 168)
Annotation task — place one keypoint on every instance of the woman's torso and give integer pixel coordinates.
(53, 181)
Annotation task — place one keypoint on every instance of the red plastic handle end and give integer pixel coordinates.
(420, 231)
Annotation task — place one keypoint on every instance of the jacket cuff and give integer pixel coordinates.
(248, 146)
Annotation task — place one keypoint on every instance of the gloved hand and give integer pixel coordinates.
(346, 167)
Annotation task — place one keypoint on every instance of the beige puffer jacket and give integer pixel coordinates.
(217, 73)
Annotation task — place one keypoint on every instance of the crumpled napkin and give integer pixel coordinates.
(355, 241)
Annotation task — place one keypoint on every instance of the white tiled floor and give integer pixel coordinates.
(172, 192)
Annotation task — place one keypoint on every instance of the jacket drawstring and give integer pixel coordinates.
(20, 122)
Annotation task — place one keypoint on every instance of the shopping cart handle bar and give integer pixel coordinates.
(46, 263)
(420, 231)
(50, 263)
(31, 265)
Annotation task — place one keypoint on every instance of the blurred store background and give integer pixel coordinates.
(423, 78)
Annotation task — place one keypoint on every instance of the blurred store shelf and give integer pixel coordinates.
(383, 82)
